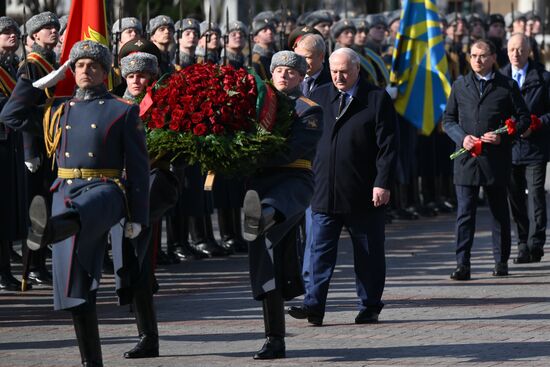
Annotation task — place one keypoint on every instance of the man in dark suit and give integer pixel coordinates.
(312, 48)
(529, 153)
(480, 102)
(353, 171)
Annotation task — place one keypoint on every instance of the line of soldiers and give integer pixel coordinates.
(176, 45)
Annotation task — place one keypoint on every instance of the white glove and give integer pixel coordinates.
(132, 230)
(33, 164)
(52, 78)
(392, 91)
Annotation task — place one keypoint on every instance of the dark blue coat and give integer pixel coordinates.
(468, 113)
(536, 93)
(103, 132)
(356, 152)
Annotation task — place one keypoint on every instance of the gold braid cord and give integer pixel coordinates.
(52, 132)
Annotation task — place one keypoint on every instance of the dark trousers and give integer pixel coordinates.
(529, 210)
(367, 235)
(466, 222)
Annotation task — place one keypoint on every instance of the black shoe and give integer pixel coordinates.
(9, 283)
(274, 347)
(405, 214)
(501, 270)
(186, 252)
(40, 276)
(300, 312)
(366, 316)
(524, 257)
(147, 347)
(536, 254)
(462, 272)
(173, 258)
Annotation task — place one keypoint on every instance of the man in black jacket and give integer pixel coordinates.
(530, 152)
(480, 103)
(353, 171)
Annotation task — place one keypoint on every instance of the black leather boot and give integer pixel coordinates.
(146, 318)
(224, 251)
(180, 227)
(7, 280)
(274, 321)
(257, 219)
(87, 335)
(225, 224)
(240, 244)
(197, 229)
(44, 229)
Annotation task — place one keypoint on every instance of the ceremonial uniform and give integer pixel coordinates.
(95, 136)
(279, 193)
(14, 201)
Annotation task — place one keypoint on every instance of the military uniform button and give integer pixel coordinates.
(67, 154)
(67, 127)
(93, 126)
(69, 182)
(72, 103)
(101, 101)
(91, 154)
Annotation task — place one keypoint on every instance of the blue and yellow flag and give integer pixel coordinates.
(419, 65)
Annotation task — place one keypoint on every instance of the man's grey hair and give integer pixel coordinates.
(313, 42)
(524, 40)
(348, 52)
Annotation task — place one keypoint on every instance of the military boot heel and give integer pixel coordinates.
(274, 322)
(148, 344)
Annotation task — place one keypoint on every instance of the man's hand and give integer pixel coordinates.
(52, 78)
(491, 138)
(380, 196)
(33, 164)
(469, 142)
(132, 230)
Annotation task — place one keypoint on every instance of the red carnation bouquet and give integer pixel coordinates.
(207, 114)
(509, 128)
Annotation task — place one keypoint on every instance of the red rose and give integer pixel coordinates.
(218, 129)
(200, 129)
(536, 123)
(510, 126)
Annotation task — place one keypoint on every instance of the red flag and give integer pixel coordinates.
(87, 21)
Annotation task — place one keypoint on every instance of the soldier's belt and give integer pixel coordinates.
(72, 173)
(299, 163)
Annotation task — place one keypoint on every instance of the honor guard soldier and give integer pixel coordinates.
(263, 31)
(236, 41)
(189, 29)
(62, 27)
(360, 39)
(228, 193)
(140, 70)
(377, 33)
(456, 45)
(209, 43)
(43, 28)
(13, 211)
(321, 20)
(161, 29)
(496, 33)
(343, 33)
(278, 196)
(94, 136)
(123, 31)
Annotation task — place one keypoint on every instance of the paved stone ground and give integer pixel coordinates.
(208, 318)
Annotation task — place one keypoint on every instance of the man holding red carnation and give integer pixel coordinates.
(530, 152)
(480, 103)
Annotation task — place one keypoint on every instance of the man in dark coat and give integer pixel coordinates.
(94, 136)
(530, 152)
(353, 171)
(480, 103)
(278, 195)
(312, 47)
(14, 202)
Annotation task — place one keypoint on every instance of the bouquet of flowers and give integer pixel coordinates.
(225, 119)
(509, 128)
